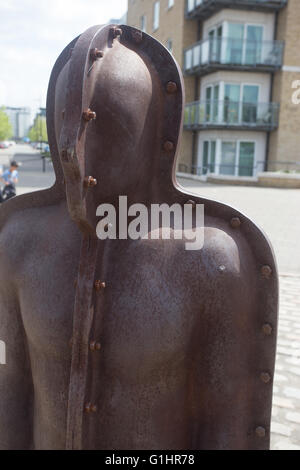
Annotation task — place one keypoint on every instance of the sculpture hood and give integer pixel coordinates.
(118, 98)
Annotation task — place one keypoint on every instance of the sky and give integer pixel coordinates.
(32, 35)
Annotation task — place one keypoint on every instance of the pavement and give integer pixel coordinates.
(277, 212)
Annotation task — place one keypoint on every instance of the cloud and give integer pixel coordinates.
(32, 35)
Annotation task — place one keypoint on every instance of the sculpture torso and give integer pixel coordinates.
(147, 376)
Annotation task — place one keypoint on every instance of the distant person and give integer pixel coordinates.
(10, 176)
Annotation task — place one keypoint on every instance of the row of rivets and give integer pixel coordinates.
(266, 272)
(95, 346)
(169, 146)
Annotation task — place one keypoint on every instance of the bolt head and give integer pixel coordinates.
(266, 272)
(90, 182)
(116, 31)
(235, 222)
(171, 87)
(96, 54)
(89, 115)
(265, 377)
(260, 431)
(99, 285)
(267, 329)
(137, 36)
(168, 146)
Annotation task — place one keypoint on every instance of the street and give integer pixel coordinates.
(276, 211)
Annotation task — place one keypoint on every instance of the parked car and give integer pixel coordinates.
(4, 145)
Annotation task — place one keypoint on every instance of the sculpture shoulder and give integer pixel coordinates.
(27, 232)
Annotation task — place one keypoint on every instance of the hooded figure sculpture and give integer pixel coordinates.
(129, 344)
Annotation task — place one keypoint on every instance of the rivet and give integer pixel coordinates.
(95, 346)
(265, 377)
(89, 408)
(89, 115)
(99, 285)
(235, 222)
(267, 329)
(96, 53)
(222, 268)
(260, 431)
(266, 272)
(90, 182)
(168, 146)
(137, 36)
(171, 87)
(116, 31)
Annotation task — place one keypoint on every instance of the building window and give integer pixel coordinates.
(169, 45)
(170, 4)
(209, 157)
(231, 158)
(156, 16)
(143, 23)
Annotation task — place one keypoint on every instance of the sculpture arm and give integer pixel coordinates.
(15, 374)
(233, 359)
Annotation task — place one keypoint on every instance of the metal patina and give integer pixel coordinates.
(129, 344)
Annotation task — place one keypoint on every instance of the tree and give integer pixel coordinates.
(38, 132)
(6, 130)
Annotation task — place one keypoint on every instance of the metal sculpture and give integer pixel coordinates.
(129, 344)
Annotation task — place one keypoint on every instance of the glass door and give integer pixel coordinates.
(211, 103)
(246, 158)
(231, 103)
(228, 157)
(215, 40)
(250, 102)
(253, 45)
(208, 157)
(235, 38)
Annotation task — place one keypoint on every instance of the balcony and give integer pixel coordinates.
(231, 115)
(213, 54)
(203, 9)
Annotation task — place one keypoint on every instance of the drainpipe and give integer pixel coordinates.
(196, 98)
(271, 98)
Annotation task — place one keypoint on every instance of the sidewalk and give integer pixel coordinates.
(285, 427)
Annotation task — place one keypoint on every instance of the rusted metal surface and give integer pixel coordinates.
(153, 347)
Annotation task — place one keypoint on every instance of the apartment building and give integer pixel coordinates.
(20, 119)
(241, 66)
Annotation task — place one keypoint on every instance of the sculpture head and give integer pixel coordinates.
(118, 110)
